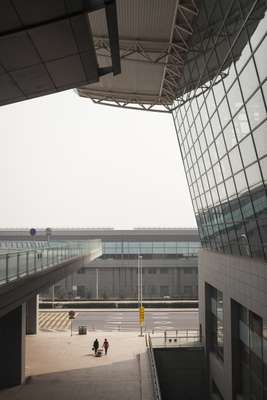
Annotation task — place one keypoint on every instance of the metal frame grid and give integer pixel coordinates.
(172, 57)
(221, 133)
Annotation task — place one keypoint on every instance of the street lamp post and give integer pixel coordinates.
(140, 292)
(97, 284)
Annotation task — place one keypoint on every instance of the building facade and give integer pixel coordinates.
(221, 126)
(169, 264)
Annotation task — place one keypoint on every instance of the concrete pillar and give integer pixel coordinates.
(12, 347)
(32, 316)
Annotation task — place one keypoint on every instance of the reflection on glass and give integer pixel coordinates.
(260, 139)
(248, 79)
(253, 175)
(235, 159)
(216, 322)
(256, 109)
(250, 355)
(247, 151)
(241, 124)
(230, 165)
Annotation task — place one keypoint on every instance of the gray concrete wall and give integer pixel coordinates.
(181, 373)
(242, 279)
(12, 347)
(32, 314)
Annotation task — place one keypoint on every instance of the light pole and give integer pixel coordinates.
(140, 292)
(53, 296)
(97, 284)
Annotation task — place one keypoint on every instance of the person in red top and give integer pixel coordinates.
(106, 346)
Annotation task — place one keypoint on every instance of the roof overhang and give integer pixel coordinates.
(154, 39)
(47, 46)
(170, 51)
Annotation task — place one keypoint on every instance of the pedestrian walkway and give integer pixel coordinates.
(60, 366)
(54, 321)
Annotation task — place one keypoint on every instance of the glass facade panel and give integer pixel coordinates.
(247, 151)
(260, 54)
(241, 124)
(260, 139)
(249, 355)
(231, 154)
(164, 249)
(248, 79)
(216, 321)
(256, 109)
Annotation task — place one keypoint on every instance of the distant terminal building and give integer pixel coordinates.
(169, 261)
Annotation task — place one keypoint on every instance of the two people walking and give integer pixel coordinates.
(105, 346)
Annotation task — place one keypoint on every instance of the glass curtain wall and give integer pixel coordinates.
(130, 249)
(252, 349)
(216, 321)
(221, 125)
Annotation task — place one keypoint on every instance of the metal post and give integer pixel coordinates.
(53, 296)
(27, 263)
(140, 290)
(7, 256)
(141, 282)
(138, 286)
(35, 260)
(96, 283)
(18, 265)
(138, 282)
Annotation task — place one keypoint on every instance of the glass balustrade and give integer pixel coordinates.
(19, 259)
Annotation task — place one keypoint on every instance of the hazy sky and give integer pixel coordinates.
(66, 162)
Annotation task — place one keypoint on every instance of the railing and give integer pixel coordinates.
(17, 264)
(154, 373)
(178, 338)
(22, 244)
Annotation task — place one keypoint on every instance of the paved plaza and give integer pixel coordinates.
(60, 366)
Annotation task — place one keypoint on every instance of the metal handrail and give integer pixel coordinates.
(177, 338)
(17, 264)
(154, 373)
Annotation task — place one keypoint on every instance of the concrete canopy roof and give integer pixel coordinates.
(153, 37)
(47, 46)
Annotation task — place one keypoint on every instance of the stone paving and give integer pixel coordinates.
(60, 366)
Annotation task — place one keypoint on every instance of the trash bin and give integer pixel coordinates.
(82, 330)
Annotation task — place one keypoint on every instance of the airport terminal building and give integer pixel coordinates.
(169, 265)
(222, 133)
(204, 62)
(215, 86)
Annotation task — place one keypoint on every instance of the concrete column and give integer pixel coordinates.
(32, 316)
(12, 347)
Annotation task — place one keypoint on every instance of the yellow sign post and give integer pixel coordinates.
(141, 315)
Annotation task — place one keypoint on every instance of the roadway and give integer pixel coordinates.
(120, 320)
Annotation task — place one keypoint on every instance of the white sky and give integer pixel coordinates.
(65, 162)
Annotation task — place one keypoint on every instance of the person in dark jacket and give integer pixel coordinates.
(96, 345)
(106, 346)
